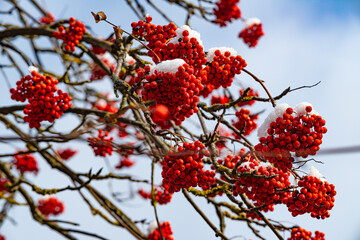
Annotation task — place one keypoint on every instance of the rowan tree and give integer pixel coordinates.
(161, 76)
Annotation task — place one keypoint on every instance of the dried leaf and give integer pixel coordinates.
(118, 33)
(102, 15)
(99, 16)
(96, 17)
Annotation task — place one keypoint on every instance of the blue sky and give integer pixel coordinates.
(305, 42)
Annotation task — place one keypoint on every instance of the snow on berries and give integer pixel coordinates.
(174, 85)
(169, 42)
(154, 233)
(252, 32)
(66, 153)
(162, 195)
(25, 163)
(263, 183)
(299, 233)
(316, 196)
(40, 91)
(102, 145)
(72, 35)
(225, 11)
(183, 168)
(285, 131)
(50, 205)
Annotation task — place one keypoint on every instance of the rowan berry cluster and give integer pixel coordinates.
(245, 122)
(264, 184)
(252, 32)
(262, 208)
(102, 145)
(302, 234)
(47, 19)
(250, 93)
(219, 99)
(315, 196)
(176, 88)
(162, 195)
(125, 162)
(226, 11)
(184, 168)
(72, 35)
(156, 35)
(50, 206)
(66, 154)
(154, 234)
(40, 92)
(25, 163)
(224, 64)
(229, 161)
(299, 132)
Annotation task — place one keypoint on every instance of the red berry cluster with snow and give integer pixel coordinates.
(50, 206)
(154, 233)
(287, 131)
(72, 35)
(174, 85)
(40, 92)
(252, 32)
(262, 183)
(25, 163)
(316, 196)
(226, 11)
(102, 145)
(184, 168)
(181, 74)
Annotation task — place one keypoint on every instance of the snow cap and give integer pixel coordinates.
(251, 21)
(32, 69)
(211, 52)
(167, 66)
(300, 109)
(152, 227)
(192, 34)
(278, 111)
(315, 173)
